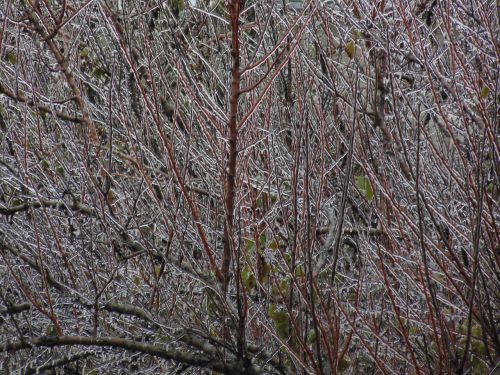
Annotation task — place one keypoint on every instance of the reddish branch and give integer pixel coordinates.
(233, 140)
(166, 144)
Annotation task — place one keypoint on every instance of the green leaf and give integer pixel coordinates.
(282, 325)
(323, 275)
(99, 73)
(60, 170)
(284, 285)
(356, 34)
(179, 5)
(299, 271)
(137, 281)
(476, 330)
(363, 184)
(44, 164)
(259, 203)
(248, 278)
(17, 202)
(11, 57)
(344, 363)
(478, 347)
(157, 270)
(462, 328)
(265, 269)
(287, 187)
(271, 310)
(479, 367)
(211, 303)
(263, 238)
(281, 321)
(249, 245)
(281, 288)
(311, 336)
(490, 187)
(414, 330)
(485, 91)
(84, 53)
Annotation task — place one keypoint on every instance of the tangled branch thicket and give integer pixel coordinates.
(245, 187)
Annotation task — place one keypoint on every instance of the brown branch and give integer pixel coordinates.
(15, 309)
(64, 65)
(191, 359)
(49, 203)
(126, 309)
(58, 363)
(41, 107)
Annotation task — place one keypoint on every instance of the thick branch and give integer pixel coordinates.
(49, 203)
(15, 309)
(233, 141)
(194, 359)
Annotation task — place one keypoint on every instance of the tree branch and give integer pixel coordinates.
(192, 359)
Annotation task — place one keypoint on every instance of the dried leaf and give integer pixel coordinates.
(485, 91)
(350, 49)
(273, 245)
